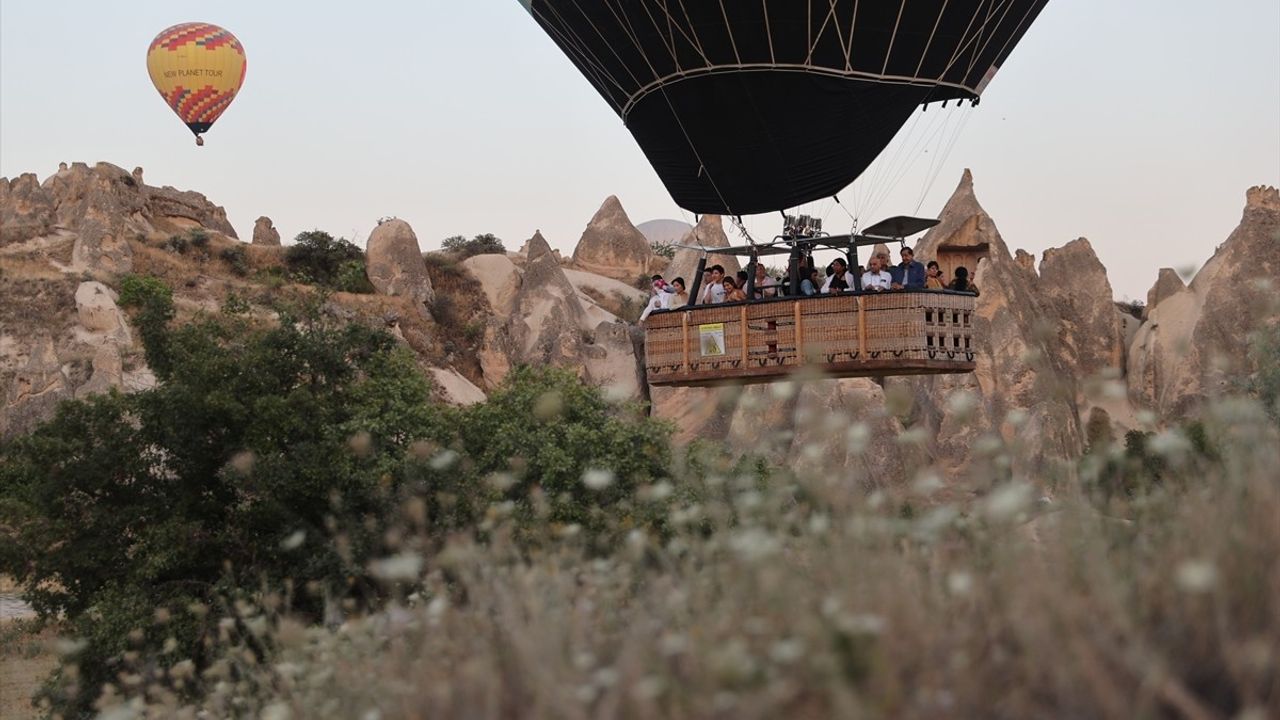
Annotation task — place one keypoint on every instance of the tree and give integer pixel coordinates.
(317, 257)
(552, 434)
(484, 244)
(230, 479)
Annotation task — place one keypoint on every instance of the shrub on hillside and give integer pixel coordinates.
(319, 258)
(263, 464)
(486, 243)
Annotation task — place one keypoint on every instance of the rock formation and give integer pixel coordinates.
(394, 264)
(1195, 340)
(708, 233)
(1168, 284)
(1023, 391)
(542, 318)
(98, 313)
(265, 233)
(611, 246)
(103, 207)
(1090, 334)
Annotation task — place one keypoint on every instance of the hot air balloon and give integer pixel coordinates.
(198, 69)
(745, 107)
(748, 107)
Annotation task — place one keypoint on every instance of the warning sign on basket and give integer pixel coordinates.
(711, 338)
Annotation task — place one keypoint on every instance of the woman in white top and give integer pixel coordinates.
(841, 272)
(876, 278)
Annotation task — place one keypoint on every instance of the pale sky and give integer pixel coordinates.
(1136, 123)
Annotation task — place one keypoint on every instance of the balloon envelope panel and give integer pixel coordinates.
(198, 69)
(809, 92)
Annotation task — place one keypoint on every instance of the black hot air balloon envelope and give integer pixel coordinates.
(748, 106)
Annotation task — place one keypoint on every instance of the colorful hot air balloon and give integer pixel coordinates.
(748, 107)
(198, 69)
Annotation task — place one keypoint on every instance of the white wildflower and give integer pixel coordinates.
(1197, 576)
(649, 687)
(785, 652)
(597, 478)
(276, 711)
(501, 481)
(1008, 501)
(962, 403)
(858, 436)
(672, 644)
(862, 624)
(294, 541)
(1171, 444)
(754, 544)
(959, 582)
(404, 567)
(444, 460)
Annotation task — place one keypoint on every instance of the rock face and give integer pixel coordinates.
(1196, 340)
(708, 233)
(611, 246)
(1022, 390)
(103, 207)
(541, 318)
(265, 233)
(1074, 284)
(394, 263)
(1168, 284)
(98, 313)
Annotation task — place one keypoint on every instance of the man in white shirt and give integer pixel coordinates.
(764, 285)
(876, 278)
(713, 294)
(841, 276)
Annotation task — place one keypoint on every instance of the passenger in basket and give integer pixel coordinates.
(661, 298)
(810, 285)
(876, 278)
(765, 286)
(681, 298)
(840, 278)
(733, 293)
(713, 294)
(961, 282)
(909, 274)
(933, 276)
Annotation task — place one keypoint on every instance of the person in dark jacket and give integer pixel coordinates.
(908, 274)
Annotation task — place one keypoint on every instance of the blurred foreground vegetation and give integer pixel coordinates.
(288, 527)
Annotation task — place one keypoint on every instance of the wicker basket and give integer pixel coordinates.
(846, 335)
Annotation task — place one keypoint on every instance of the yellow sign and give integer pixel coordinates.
(711, 339)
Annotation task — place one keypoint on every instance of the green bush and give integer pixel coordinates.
(317, 257)
(567, 456)
(264, 462)
(236, 258)
(353, 278)
(150, 304)
(663, 249)
(486, 243)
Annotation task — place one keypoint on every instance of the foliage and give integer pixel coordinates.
(186, 495)
(236, 258)
(663, 249)
(483, 244)
(150, 303)
(1264, 383)
(566, 456)
(1133, 308)
(317, 257)
(802, 595)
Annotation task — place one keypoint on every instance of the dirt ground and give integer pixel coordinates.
(25, 661)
